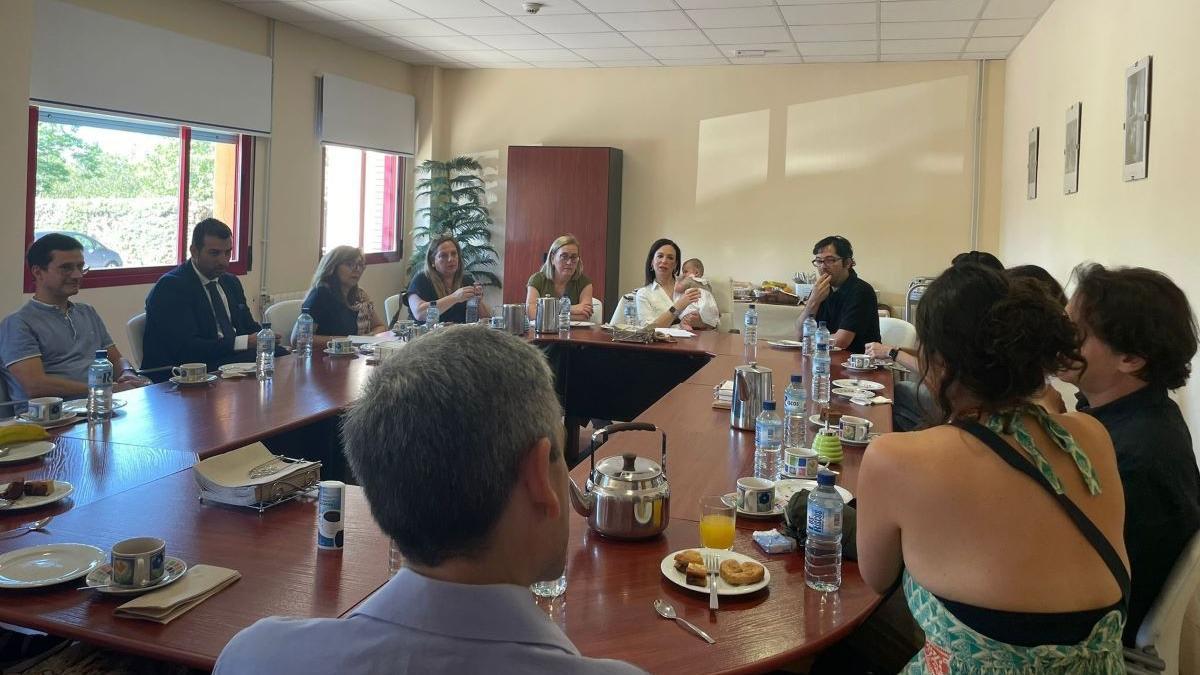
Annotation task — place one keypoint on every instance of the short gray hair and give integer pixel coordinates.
(439, 434)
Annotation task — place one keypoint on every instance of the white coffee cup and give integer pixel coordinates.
(341, 345)
(138, 562)
(755, 495)
(190, 372)
(860, 361)
(854, 428)
(45, 409)
(801, 462)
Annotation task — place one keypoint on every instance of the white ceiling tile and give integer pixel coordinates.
(986, 56)
(612, 54)
(627, 21)
(534, 55)
(909, 30)
(514, 8)
(503, 66)
(447, 9)
(292, 12)
(735, 18)
(667, 38)
(695, 52)
(921, 46)
(766, 60)
(339, 29)
(564, 23)
(412, 28)
(771, 48)
(815, 2)
(834, 32)
(695, 62)
(365, 9)
(563, 64)
(488, 25)
(846, 58)
(722, 4)
(729, 36)
(626, 5)
(448, 43)
(838, 48)
(646, 63)
(992, 44)
(590, 40)
(375, 42)
(518, 41)
(852, 12)
(1003, 27)
(1015, 9)
(930, 10)
(484, 56)
(919, 57)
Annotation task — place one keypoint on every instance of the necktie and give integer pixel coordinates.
(219, 311)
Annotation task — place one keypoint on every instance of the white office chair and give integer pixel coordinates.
(135, 328)
(597, 312)
(282, 316)
(1160, 631)
(897, 332)
(619, 313)
(391, 305)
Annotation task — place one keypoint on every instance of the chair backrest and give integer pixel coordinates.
(135, 328)
(282, 316)
(391, 305)
(897, 332)
(597, 311)
(1163, 625)
(3, 388)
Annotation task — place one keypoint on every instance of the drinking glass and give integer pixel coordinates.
(395, 559)
(717, 520)
(550, 589)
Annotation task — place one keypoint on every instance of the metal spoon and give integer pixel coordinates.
(30, 527)
(666, 611)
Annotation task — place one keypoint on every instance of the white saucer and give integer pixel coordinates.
(46, 565)
(858, 384)
(667, 566)
(330, 352)
(731, 498)
(62, 489)
(870, 437)
(21, 452)
(852, 392)
(63, 421)
(208, 379)
(847, 366)
(247, 368)
(786, 344)
(785, 488)
(102, 576)
(79, 405)
(817, 421)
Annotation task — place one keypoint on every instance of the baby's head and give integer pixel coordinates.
(686, 282)
(693, 268)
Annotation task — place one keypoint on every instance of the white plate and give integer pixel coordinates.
(858, 384)
(870, 437)
(79, 405)
(582, 324)
(731, 498)
(209, 378)
(60, 422)
(330, 352)
(23, 451)
(786, 344)
(676, 577)
(851, 392)
(784, 489)
(237, 368)
(816, 420)
(61, 490)
(47, 565)
(102, 576)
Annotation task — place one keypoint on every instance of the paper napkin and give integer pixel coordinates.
(167, 604)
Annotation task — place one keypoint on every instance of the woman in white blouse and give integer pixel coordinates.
(655, 304)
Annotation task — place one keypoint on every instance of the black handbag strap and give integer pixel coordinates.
(1089, 530)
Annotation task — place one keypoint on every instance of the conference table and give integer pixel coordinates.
(132, 477)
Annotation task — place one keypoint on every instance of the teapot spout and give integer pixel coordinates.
(582, 502)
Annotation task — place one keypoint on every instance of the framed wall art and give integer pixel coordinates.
(1071, 152)
(1032, 167)
(1137, 120)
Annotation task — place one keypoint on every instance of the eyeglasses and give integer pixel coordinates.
(69, 269)
(568, 257)
(356, 265)
(832, 260)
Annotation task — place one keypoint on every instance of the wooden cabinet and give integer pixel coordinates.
(559, 190)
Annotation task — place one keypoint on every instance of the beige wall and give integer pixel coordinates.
(746, 167)
(287, 205)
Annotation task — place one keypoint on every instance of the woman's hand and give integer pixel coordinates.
(582, 312)
(689, 296)
(465, 293)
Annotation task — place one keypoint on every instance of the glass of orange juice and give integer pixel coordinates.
(717, 519)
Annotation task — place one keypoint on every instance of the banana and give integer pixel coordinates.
(22, 433)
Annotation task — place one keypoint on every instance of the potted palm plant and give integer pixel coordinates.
(453, 193)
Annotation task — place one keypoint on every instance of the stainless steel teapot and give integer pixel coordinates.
(751, 386)
(626, 496)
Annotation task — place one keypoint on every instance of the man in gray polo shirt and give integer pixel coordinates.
(47, 345)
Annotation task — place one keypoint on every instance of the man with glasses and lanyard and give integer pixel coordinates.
(48, 344)
(846, 303)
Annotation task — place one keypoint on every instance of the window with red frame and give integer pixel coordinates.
(130, 190)
(361, 203)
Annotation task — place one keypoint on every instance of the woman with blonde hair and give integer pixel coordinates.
(444, 283)
(562, 274)
(336, 303)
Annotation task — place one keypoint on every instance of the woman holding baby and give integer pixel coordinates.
(674, 292)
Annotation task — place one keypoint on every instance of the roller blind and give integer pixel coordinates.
(365, 116)
(95, 61)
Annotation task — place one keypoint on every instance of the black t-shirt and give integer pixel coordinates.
(1162, 489)
(330, 315)
(422, 286)
(853, 307)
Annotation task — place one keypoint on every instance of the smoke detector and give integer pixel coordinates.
(532, 7)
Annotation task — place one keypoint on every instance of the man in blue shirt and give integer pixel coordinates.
(48, 344)
(466, 475)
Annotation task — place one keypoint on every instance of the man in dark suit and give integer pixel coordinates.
(197, 312)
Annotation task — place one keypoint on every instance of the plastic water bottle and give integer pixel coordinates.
(795, 401)
(806, 337)
(823, 544)
(302, 334)
(264, 365)
(432, 315)
(100, 386)
(768, 442)
(472, 310)
(750, 326)
(631, 313)
(564, 317)
(552, 588)
(820, 365)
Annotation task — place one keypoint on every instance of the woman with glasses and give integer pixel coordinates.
(444, 283)
(656, 303)
(562, 274)
(336, 303)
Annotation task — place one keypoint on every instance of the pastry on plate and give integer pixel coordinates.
(741, 573)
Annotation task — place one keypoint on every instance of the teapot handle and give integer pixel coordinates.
(600, 437)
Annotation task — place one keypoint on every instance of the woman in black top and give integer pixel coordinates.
(336, 303)
(444, 283)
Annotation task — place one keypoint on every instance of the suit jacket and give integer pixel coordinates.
(181, 327)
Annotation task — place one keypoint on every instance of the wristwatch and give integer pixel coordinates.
(673, 311)
(893, 352)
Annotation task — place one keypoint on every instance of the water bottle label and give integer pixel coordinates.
(823, 520)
